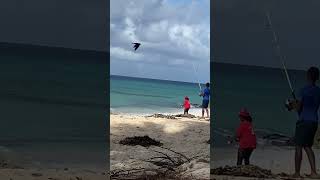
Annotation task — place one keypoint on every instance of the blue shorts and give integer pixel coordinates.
(205, 103)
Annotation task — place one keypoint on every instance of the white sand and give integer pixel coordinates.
(183, 135)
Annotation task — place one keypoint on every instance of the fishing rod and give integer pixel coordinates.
(195, 72)
(276, 41)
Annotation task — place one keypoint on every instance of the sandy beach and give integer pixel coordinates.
(65, 163)
(277, 159)
(187, 136)
(53, 174)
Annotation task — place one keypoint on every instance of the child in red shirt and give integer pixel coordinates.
(186, 105)
(246, 137)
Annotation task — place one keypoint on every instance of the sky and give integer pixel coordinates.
(78, 24)
(241, 37)
(174, 37)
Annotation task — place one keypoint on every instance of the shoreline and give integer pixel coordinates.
(178, 135)
(174, 111)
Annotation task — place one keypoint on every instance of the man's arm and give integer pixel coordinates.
(201, 93)
(238, 133)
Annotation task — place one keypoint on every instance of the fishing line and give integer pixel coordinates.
(195, 73)
(277, 44)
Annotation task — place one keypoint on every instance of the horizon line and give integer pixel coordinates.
(190, 82)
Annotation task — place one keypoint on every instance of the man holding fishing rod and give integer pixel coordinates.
(205, 94)
(307, 105)
(205, 101)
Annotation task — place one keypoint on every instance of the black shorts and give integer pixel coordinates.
(205, 103)
(186, 110)
(305, 132)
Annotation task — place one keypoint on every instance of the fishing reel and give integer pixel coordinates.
(289, 105)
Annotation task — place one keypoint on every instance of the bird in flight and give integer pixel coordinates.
(136, 46)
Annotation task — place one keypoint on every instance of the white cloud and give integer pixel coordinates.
(170, 34)
(177, 62)
(120, 53)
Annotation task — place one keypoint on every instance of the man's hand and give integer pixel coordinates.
(295, 104)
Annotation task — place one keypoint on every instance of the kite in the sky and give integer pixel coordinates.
(136, 46)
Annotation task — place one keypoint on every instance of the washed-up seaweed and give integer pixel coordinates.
(163, 116)
(172, 116)
(244, 171)
(144, 141)
(146, 174)
(185, 115)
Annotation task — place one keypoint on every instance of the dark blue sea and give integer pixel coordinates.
(53, 105)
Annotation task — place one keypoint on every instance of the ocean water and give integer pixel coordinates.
(147, 96)
(53, 105)
(263, 91)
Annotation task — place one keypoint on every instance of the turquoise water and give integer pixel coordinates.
(137, 95)
(262, 90)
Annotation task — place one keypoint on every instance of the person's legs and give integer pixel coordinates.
(298, 159)
(299, 141)
(240, 157)
(310, 130)
(247, 155)
(205, 104)
(312, 160)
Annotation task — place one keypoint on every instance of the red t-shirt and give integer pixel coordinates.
(186, 104)
(246, 135)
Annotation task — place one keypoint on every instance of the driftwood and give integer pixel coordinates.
(167, 162)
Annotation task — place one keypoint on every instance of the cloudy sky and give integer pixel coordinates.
(174, 34)
(79, 24)
(241, 37)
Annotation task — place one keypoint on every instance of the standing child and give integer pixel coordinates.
(246, 137)
(186, 105)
